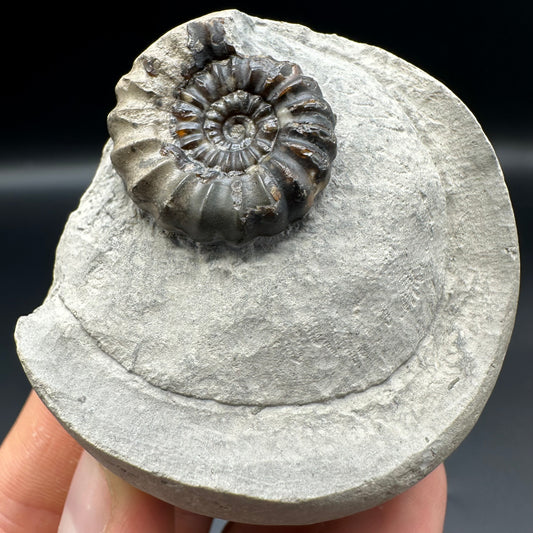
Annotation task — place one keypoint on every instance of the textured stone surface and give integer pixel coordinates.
(309, 375)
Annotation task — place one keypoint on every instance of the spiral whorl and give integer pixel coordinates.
(251, 144)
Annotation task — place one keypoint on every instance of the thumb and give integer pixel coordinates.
(100, 502)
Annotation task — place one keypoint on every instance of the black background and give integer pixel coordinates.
(60, 64)
(59, 67)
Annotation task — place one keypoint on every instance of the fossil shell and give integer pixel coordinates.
(300, 379)
(251, 142)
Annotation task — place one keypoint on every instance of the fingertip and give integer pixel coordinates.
(40, 465)
(134, 511)
(88, 505)
(188, 522)
(37, 461)
(420, 509)
(100, 501)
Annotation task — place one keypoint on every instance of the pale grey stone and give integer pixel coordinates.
(313, 374)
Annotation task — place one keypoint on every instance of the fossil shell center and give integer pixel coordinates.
(232, 133)
(251, 141)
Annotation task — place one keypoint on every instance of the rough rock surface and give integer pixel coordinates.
(309, 375)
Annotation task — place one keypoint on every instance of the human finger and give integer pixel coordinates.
(37, 461)
(100, 501)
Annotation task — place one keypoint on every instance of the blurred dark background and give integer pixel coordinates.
(59, 68)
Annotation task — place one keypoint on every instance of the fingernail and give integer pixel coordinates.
(88, 504)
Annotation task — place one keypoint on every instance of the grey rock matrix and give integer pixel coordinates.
(309, 375)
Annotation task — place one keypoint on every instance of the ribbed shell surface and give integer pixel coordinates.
(247, 145)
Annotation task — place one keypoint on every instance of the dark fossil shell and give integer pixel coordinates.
(251, 144)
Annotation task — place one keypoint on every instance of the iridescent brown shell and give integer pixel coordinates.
(251, 144)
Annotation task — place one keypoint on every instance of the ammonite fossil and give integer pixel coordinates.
(311, 375)
(251, 141)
